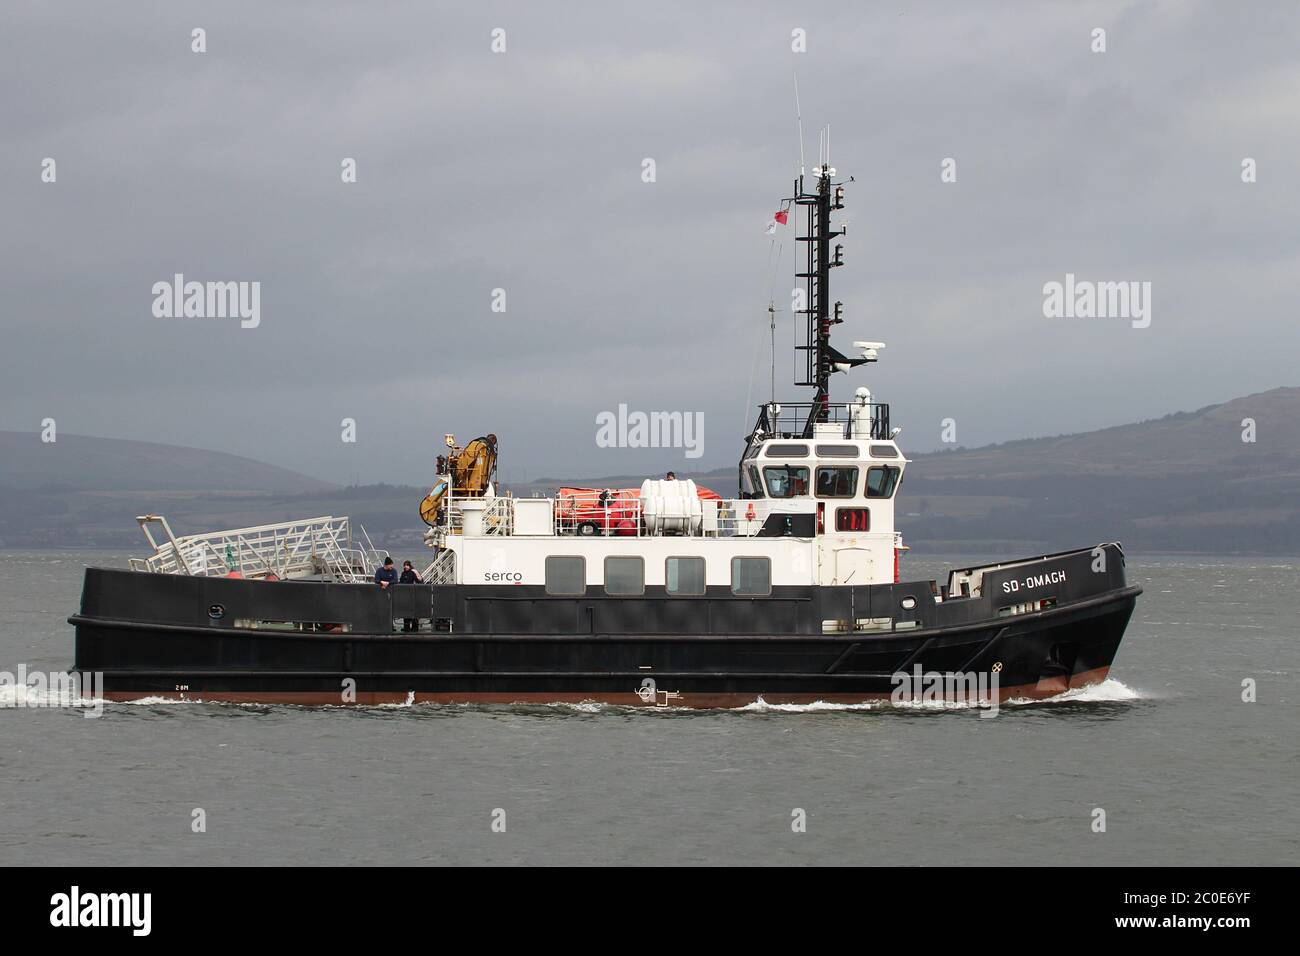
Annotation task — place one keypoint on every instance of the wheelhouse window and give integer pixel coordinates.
(684, 576)
(837, 451)
(884, 451)
(837, 481)
(852, 519)
(751, 577)
(566, 575)
(881, 481)
(787, 451)
(786, 481)
(624, 575)
(753, 485)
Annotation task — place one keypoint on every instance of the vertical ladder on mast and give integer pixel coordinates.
(819, 203)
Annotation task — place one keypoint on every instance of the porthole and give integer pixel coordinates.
(909, 603)
(216, 612)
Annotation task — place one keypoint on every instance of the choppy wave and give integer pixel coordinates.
(154, 701)
(394, 705)
(25, 696)
(1108, 691)
(761, 706)
(585, 707)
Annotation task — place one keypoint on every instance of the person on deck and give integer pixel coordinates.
(671, 476)
(409, 576)
(387, 575)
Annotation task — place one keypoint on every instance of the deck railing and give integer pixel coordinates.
(441, 570)
(789, 421)
(314, 546)
(624, 516)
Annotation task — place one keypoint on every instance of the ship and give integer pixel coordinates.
(666, 595)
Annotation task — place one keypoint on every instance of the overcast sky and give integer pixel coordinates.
(522, 171)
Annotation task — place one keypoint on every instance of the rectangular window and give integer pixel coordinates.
(787, 451)
(852, 519)
(838, 481)
(755, 485)
(566, 575)
(624, 575)
(881, 480)
(786, 481)
(837, 451)
(751, 577)
(884, 451)
(684, 575)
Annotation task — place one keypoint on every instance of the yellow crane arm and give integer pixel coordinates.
(432, 502)
(473, 467)
(471, 470)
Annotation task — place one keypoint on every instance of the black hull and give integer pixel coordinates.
(1033, 654)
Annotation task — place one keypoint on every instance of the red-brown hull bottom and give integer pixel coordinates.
(1040, 691)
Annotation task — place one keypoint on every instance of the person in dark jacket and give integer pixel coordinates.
(387, 575)
(409, 576)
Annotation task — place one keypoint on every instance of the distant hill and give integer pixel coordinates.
(1185, 443)
(80, 463)
(80, 490)
(1186, 482)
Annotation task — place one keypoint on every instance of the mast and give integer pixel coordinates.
(822, 358)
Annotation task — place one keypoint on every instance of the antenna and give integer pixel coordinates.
(798, 119)
(771, 316)
(774, 252)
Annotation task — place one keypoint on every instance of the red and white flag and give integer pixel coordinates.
(780, 216)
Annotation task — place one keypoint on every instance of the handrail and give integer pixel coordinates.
(624, 516)
(290, 549)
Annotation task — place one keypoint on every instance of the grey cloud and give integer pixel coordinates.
(522, 171)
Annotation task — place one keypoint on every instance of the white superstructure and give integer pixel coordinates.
(818, 511)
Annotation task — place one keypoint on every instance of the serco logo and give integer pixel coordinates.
(514, 576)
